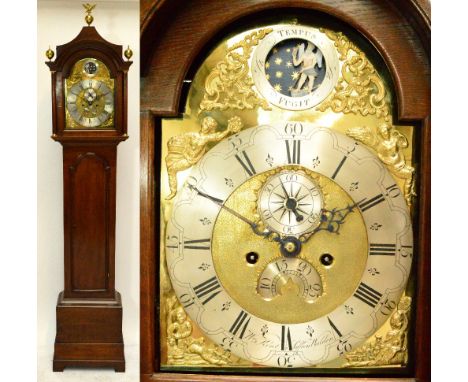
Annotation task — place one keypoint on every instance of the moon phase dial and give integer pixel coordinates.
(290, 203)
(282, 262)
(290, 276)
(89, 96)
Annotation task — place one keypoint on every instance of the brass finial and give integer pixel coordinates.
(128, 53)
(88, 9)
(49, 53)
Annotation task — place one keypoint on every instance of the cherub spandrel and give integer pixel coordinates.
(185, 150)
(306, 56)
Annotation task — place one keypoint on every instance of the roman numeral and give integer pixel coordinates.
(240, 324)
(286, 343)
(246, 163)
(339, 167)
(382, 249)
(393, 191)
(367, 295)
(293, 151)
(366, 204)
(209, 289)
(333, 326)
(197, 244)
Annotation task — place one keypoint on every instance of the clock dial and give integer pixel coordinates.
(290, 273)
(291, 249)
(295, 67)
(89, 96)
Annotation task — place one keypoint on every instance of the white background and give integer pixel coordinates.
(58, 22)
(20, 277)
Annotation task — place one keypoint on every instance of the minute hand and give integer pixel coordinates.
(220, 203)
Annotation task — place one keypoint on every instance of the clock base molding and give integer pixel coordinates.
(89, 333)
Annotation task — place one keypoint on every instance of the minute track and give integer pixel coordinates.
(227, 203)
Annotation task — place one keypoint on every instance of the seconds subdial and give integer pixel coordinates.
(290, 203)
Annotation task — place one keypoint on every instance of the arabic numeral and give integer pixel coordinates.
(314, 290)
(287, 229)
(267, 214)
(303, 267)
(235, 142)
(191, 181)
(293, 128)
(227, 342)
(265, 283)
(281, 265)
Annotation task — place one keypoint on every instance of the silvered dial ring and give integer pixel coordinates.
(207, 247)
(90, 102)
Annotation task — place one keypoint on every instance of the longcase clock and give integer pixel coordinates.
(285, 196)
(89, 101)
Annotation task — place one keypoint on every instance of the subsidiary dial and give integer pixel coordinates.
(290, 203)
(290, 276)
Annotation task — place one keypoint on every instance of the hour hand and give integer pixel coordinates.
(220, 203)
(331, 220)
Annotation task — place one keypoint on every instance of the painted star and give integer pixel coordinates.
(295, 75)
(288, 64)
(277, 87)
(279, 74)
(278, 61)
(267, 76)
(267, 65)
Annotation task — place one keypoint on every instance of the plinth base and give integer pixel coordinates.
(89, 334)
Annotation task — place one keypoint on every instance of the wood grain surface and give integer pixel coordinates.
(175, 37)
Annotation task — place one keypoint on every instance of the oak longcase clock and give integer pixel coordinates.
(285, 194)
(89, 100)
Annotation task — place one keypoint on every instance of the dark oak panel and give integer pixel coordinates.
(89, 176)
(148, 198)
(171, 377)
(89, 310)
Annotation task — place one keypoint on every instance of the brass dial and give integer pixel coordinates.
(290, 203)
(338, 281)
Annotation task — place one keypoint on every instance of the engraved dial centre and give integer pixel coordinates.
(291, 203)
